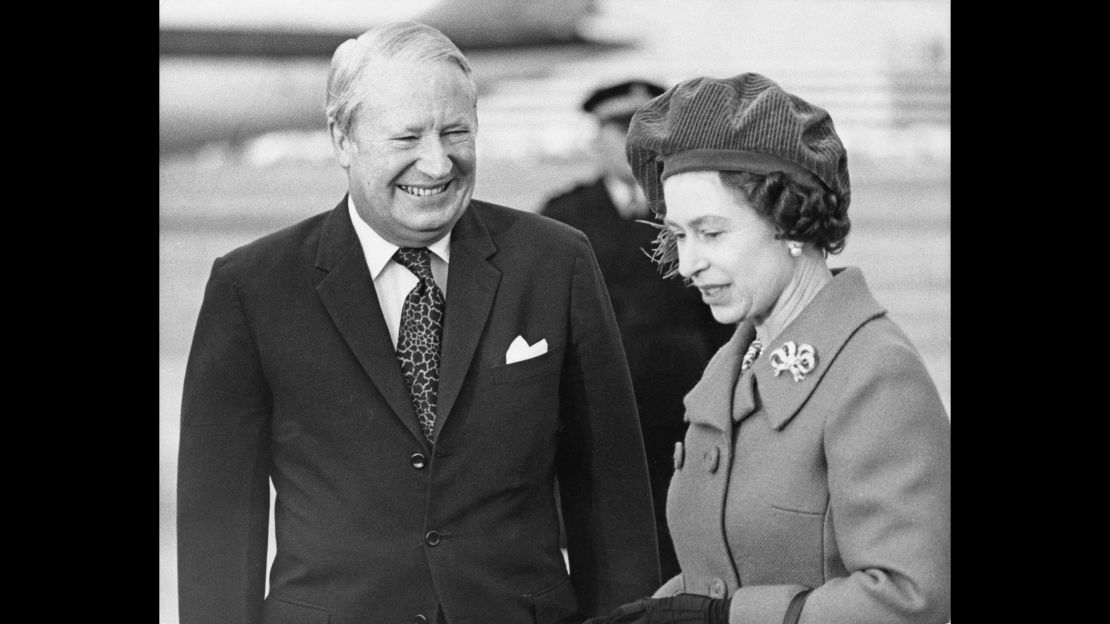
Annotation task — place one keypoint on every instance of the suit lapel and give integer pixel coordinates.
(349, 296)
(471, 286)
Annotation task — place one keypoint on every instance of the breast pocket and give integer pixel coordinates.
(545, 365)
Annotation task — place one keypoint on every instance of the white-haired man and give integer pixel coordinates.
(415, 371)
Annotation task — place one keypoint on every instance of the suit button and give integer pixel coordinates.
(418, 460)
(679, 455)
(711, 459)
(717, 589)
(419, 619)
(432, 538)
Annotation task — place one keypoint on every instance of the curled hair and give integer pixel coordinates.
(797, 212)
(407, 40)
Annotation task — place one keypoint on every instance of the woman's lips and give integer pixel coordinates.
(711, 293)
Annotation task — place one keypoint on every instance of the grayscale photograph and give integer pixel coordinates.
(554, 311)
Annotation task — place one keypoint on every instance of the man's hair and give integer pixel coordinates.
(407, 40)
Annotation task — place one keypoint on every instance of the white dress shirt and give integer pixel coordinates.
(392, 281)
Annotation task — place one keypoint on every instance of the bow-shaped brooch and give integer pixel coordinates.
(791, 357)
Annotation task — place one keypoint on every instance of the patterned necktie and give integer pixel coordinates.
(419, 338)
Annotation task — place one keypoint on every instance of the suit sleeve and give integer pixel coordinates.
(602, 469)
(223, 466)
(888, 451)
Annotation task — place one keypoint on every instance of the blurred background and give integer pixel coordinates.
(243, 148)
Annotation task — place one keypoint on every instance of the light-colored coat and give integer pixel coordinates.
(838, 482)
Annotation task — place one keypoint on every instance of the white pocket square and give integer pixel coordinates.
(520, 350)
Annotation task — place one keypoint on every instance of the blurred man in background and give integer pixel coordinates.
(414, 370)
(668, 333)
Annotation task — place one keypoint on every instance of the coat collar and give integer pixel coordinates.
(826, 324)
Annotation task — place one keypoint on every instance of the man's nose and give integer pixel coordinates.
(434, 161)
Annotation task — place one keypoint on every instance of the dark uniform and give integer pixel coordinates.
(668, 333)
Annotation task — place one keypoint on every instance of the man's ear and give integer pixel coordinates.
(342, 145)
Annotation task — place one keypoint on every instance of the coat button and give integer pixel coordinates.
(717, 589)
(711, 459)
(679, 455)
(432, 538)
(418, 460)
(420, 619)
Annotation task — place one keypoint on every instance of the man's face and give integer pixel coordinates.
(609, 146)
(410, 159)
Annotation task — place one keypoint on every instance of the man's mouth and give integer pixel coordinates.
(423, 191)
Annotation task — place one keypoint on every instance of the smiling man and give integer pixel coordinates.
(420, 375)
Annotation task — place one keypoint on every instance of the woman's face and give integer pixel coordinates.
(728, 252)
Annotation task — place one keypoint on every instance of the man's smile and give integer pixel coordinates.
(423, 191)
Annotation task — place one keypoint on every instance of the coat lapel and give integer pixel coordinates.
(471, 286)
(826, 324)
(711, 401)
(349, 296)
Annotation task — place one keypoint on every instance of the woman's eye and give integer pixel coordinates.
(678, 235)
(711, 234)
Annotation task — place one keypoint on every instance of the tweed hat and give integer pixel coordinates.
(744, 123)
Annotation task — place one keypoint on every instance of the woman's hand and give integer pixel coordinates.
(677, 609)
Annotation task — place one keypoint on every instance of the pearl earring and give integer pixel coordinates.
(795, 248)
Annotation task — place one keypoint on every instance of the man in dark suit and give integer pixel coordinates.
(415, 371)
(668, 333)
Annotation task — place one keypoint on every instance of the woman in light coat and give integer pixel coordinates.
(813, 483)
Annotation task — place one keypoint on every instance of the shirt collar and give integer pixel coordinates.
(379, 251)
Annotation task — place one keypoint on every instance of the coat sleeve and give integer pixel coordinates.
(676, 585)
(887, 446)
(223, 466)
(602, 468)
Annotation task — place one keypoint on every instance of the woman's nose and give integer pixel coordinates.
(690, 261)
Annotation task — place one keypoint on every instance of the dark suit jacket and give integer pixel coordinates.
(292, 377)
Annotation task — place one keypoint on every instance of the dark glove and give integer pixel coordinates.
(678, 609)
